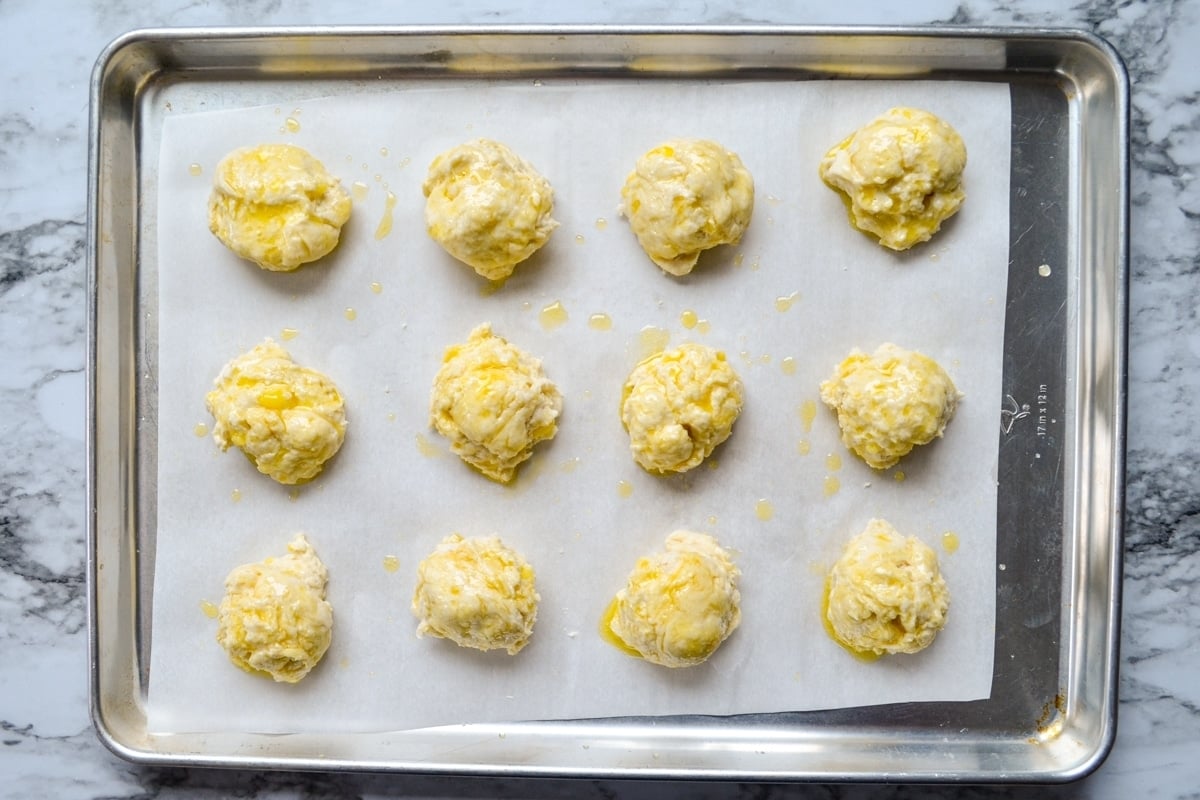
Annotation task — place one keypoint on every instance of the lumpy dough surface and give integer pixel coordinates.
(276, 205)
(678, 405)
(687, 196)
(478, 593)
(493, 402)
(900, 175)
(679, 604)
(885, 593)
(487, 207)
(889, 402)
(288, 419)
(274, 619)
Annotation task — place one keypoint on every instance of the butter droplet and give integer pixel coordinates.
(377, 287)
(704, 326)
(1044, 270)
(200, 430)
(553, 316)
(195, 169)
(788, 365)
(601, 223)
(570, 465)
(803, 447)
(358, 190)
(491, 287)
(209, 609)
(427, 448)
(294, 495)
(391, 563)
(350, 314)
(950, 541)
(579, 238)
(383, 151)
(786, 301)
(688, 319)
(738, 259)
(808, 413)
(292, 124)
(833, 462)
(287, 334)
(764, 510)
(652, 340)
(899, 476)
(236, 495)
(624, 489)
(600, 322)
(391, 416)
(832, 484)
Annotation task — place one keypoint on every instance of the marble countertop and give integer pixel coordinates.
(48, 746)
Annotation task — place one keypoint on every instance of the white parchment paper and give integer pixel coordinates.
(787, 304)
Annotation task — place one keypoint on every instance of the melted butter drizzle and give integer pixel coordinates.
(606, 631)
(385, 224)
(861, 655)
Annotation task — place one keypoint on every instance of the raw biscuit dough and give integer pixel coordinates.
(885, 594)
(686, 196)
(889, 402)
(487, 207)
(276, 205)
(289, 420)
(493, 402)
(679, 604)
(678, 405)
(477, 593)
(900, 175)
(274, 619)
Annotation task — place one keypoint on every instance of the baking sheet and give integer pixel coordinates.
(395, 491)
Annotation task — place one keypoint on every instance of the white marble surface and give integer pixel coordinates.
(47, 747)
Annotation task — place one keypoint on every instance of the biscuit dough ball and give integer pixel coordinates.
(686, 196)
(493, 402)
(678, 405)
(487, 207)
(889, 402)
(275, 205)
(477, 593)
(900, 175)
(679, 604)
(288, 419)
(274, 619)
(885, 594)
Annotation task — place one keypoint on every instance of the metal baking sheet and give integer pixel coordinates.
(1050, 716)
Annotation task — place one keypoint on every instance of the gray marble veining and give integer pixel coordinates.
(47, 748)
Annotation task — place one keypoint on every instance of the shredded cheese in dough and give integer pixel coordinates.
(885, 593)
(900, 175)
(478, 593)
(277, 206)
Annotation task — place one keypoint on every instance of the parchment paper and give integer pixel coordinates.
(787, 304)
